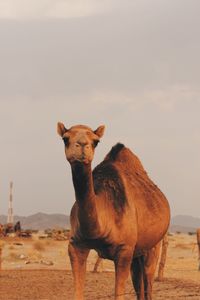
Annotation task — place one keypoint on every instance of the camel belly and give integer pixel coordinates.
(103, 248)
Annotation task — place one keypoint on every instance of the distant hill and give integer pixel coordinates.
(184, 224)
(40, 221)
(43, 221)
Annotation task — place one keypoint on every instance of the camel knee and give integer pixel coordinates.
(78, 259)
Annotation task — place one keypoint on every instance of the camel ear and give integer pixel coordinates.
(100, 131)
(61, 129)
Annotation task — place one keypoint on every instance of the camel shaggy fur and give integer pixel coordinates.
(118, 211)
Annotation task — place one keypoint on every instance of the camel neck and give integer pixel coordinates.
(83, 182)
(85, 198)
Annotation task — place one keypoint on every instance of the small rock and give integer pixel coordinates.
(22, 256)
(46, 262)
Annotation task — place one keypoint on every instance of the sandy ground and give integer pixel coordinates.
(40, 269)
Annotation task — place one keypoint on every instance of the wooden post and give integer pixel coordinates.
(163, 258)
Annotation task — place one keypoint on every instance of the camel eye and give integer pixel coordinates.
(66, 141)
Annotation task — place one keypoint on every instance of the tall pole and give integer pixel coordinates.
(10, 205)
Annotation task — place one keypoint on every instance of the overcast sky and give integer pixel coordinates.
(131, 65)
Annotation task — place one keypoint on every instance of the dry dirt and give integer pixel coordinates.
(42, 280)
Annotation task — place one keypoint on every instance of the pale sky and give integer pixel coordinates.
(131, 65)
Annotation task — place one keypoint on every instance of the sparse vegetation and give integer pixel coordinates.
(13, 256)
(11, 247)
(181, 273)
(39, 246)
(191, 233)
(183, 246)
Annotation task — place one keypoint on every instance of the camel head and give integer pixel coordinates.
(80, 142)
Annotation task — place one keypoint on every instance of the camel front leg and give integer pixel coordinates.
(122, 269)
(78, 258)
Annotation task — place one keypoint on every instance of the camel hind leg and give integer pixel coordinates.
(150, 264)
(198, 245)
(143, 269)
(137, 274)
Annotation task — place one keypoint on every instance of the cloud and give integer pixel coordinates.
(169, 97)
(17, 9)
(165, 99)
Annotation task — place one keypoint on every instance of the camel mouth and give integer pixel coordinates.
(79, 160)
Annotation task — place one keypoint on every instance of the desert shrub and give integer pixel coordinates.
(39, 246)
(191, 233)
(13, 256)
(11, 247)
(48, 242)
(2, 244)
(183, 246)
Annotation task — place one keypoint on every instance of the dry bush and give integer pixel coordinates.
(13, 256)
(39, 246)
(183, 246)
(48, 242)
(171, 239)
(11, 247)
(2, 244)
(34, 255)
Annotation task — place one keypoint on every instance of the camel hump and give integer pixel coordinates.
(123, 154)
(112, 155)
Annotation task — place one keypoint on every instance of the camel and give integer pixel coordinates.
(1, 230)
(1, 244)
(198, 244)
(119, 212)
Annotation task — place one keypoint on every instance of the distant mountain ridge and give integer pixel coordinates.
(184, 223)
(40, 221)
(43, 221)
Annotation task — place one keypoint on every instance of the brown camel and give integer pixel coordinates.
(118, 211)
(1, 244)
(1, 230)
(198, 244)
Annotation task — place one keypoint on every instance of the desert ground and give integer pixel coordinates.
(39, 269)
